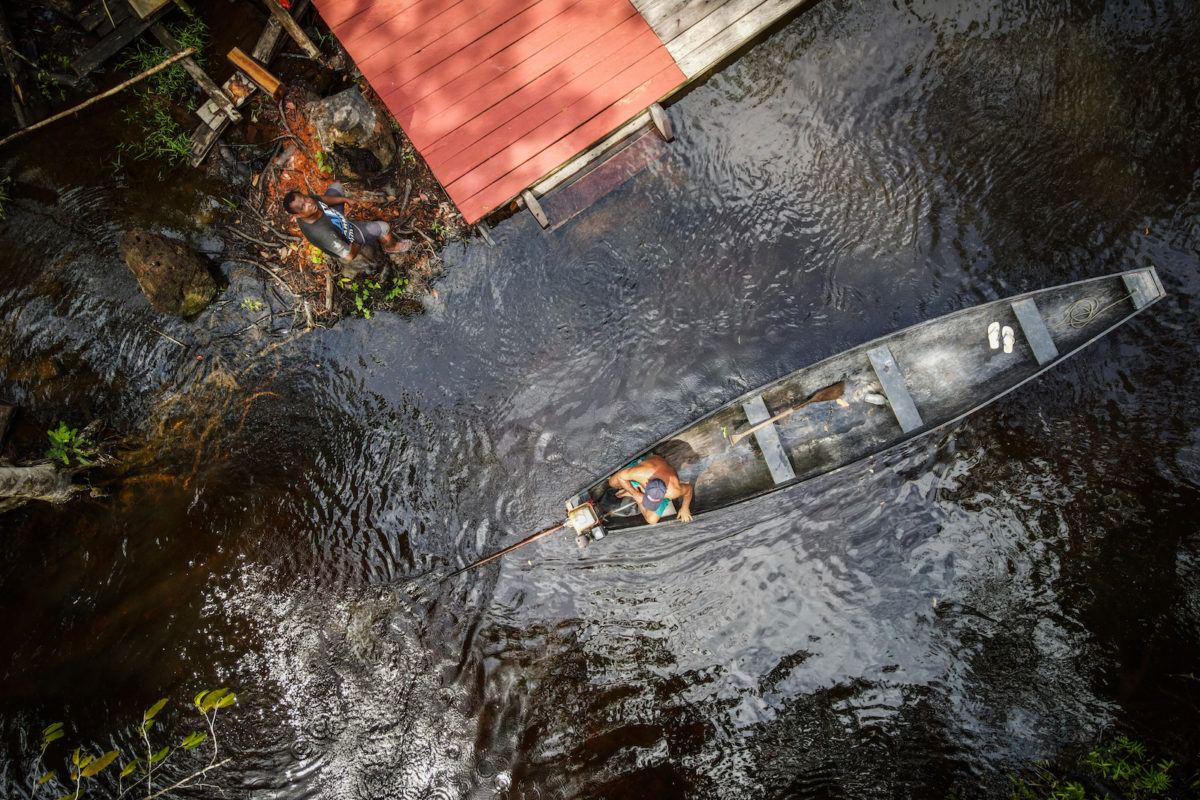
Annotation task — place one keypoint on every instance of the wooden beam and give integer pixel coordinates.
(256, 72)
(535, 208)
(198, 75)
(293, 30)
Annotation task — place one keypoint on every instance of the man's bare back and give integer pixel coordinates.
(658, 480)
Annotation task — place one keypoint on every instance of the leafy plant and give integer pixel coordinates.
(252, 305)
(323, 162)
(67, 444)
(158, 134)
(156, 764)
(398, 287)
(362, 294)
(1123, 763)
(318, 255)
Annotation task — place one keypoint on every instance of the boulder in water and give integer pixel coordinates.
(174, 279)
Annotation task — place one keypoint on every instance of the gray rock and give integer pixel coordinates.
(360, 142)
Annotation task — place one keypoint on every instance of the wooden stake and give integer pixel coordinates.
(293, 30)
(116, 89)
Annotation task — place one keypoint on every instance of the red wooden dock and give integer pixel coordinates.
(496, 95)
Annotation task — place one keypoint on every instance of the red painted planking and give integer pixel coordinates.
(513, 69)
(570, 72)
(475, 206)
(562, 111)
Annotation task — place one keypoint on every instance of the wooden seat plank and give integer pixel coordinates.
(554, 115)
(888, 372)
(545, 124)
(500, 191)
(767, 437)
(514, 68)
(1035, 330)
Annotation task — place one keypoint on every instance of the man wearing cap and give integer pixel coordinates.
(661, 485)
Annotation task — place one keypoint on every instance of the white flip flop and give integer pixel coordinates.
(1009, 339)
(994, 335)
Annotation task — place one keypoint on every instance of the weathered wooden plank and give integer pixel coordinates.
(901, 402)
(504, 189)
(689, 15)
(556, 113)
(653, 11)
(1035, 330)
(695, 56)
(564, 110)
(145, 8)
(126, 31)
(293, 30)
(586, 158)
(767, 437)
(102, 18)
(513, 69)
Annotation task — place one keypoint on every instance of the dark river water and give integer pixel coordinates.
(1020, 586)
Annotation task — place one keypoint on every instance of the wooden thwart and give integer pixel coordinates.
(1035, 330)
(768, 441)
(888, 372)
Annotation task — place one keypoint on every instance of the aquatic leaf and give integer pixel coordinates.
(227, 700)
(146, 725)
(160, 755)
(83, 762)
(212, 698)
(100, 763)
(199, 698)
(193, 740)
(75, 756)
(53, 737)
(52, 728)
(130, 767)
(154, 709)
(45, 777)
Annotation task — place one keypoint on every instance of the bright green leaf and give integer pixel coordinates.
(193, 740)
(212, 698)
(154, 709)
(199, 698)
(227, 700)
(53, 737)
(52, 728)
(160, 755)
(83, 762)
(130, 767)
(100, 763)
(75, 757)
(45, 777)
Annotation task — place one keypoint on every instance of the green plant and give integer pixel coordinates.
(66, 443)
(323, 162)
(317, 255)
(409, 157)
(438, 227)
(1123, 763)
(362, 294)
(398, 287)
(252, 305)
(156, 765)
(157, 134)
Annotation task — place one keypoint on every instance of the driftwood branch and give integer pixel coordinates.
(116, 89)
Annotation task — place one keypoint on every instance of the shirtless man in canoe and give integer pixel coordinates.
(653, 483)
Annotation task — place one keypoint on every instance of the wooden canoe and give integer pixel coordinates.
(897, 387)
